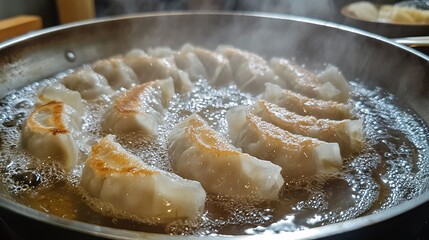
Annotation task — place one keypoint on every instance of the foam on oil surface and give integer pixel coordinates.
(393, 167)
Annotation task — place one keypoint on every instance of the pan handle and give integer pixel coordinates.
(413, 41)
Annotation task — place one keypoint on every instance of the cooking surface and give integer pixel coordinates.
(392, 152)
(360, 102)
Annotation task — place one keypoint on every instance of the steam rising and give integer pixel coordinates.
(322, 9)
(358, 57)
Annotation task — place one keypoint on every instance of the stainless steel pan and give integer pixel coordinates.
(372, 59)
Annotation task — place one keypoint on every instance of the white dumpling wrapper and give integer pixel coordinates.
(217, 69)
(149, 68)
(250, 71)
(198, 152)
(140, 108)
(115, 176)
(187, 61)
(117, 73)
(88, 83)
(332, 75)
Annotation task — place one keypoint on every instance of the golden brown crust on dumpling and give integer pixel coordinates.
(203, 137)
(303, 105)
(55, 121)
(347, 133)
(306, 81)
(278, 114)
(119, 162)
(130, 101)
(274, 134)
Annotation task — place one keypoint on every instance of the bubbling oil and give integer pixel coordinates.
(392, 168)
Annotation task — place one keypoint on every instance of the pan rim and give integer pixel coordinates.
(312, 233)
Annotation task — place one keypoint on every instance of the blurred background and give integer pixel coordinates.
(48, 10)
(18, 17)
(55, 12)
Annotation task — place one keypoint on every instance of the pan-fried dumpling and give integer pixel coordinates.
(250, 71)
(88, 83)
(332, 75)
(140, 108)
(331, 86)
(216, 68)
(115, 176)
(49, 131)
(305, 106)
(59, 93)
(186, 60)
(181, 81)
(198, 62)
(347, 133)
(118, 74)
(298, 156)
(149, 68)
(198, 152)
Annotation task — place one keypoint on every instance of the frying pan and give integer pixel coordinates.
(362, 56)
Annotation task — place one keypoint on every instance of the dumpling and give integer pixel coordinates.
(217, 66)
(301, 80)
(182, 83)
(332, 75)
(146, 67)
(88, 83)
(55, 123)
(250, 71)
(186, 60)
(347, 133)
(149, 68)
(298, 156)
(197, 152)
(118, 74)
(115, 176)
(49, 131)
(198, 62)
(204, 63)
(60, 93)
(305, 106)
(140, 108)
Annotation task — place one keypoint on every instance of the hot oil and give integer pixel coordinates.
(393, 167)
